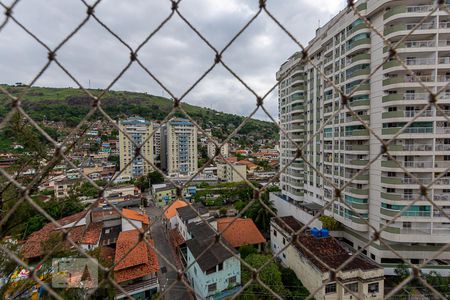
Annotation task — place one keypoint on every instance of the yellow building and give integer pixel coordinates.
(138, 131)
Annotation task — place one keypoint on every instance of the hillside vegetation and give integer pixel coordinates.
(69, 105)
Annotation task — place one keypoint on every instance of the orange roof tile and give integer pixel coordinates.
(92, 234)
(135, 215)
(139, 262)
(171, 211)
(248, 163)
(33, 244)
(240, 232)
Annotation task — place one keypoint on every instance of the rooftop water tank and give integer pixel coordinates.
(315, 232)
(324, 232)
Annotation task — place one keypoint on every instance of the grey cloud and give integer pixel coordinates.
(175, 54)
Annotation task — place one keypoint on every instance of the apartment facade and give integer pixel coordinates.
(139, 130)
(224, 150)
(179, 147)
(347, 52)
(228, 173)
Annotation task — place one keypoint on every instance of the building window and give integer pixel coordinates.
(330, 288)
(374, 287)
(284, 241)
(353, 287)
(195, 270)
(232, 280)
(212, 287)
(220, 267)
(274, 233)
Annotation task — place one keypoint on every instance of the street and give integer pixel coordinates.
(178, 291)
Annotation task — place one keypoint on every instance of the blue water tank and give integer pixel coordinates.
(324, 232)
(315, 232)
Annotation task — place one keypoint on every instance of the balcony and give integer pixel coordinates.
(442, 147)
(363, 192)
(356, 162)
(406, 114)
(393, 213)
(405, 180)
(357, 147)
(400, 197)
(411, 147)
(409, 27)
(356, 58)
(412, 62)
(409, 130)
(357, 27)
(407, 9)
(407, 164)
(362, 102)
(443, 130)
(401, 97)
(360, 72)
(357, 132)
(353, 44)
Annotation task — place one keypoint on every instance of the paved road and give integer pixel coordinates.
(178, 291)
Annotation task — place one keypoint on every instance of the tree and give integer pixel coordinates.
(295, 288)
(155, 177)
(260, 214)
(330, 223)
(247, 250)
(270, 275)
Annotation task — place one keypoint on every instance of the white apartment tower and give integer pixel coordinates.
(139, 131)
(347, 52)
(224, 150)
(179, 147)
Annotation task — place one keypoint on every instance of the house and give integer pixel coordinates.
(170, 214)
(63, 186)
(214, 273)
(163, 193)
(80, 229)
(189, 214)
(239, 232)
(360, 275)
(133, 219)
(136, 266)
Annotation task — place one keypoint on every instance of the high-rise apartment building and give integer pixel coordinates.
(347, 52)
(179, 147)
(138, 129)
(224, 150)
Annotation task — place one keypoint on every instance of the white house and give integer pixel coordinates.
(363, 277)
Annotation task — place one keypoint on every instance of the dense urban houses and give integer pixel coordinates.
(348, 52)
(139, 131)
(312, 257)
(179, 147)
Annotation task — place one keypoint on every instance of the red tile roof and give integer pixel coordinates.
(33, 244)
(92, 234)
(139, 262)
(171, 211)
(135, 215)
(240, 232)
(247, 163)
(330, 254)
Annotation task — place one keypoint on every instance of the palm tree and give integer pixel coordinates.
(260, 214)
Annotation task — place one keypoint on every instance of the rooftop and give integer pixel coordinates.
(216, 254)
(293, 225)
(135, 215)
(240, 232)
(330, 254)
(138, 262)
(171, 211)
(189, 212)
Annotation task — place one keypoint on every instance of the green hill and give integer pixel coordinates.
(69, 105)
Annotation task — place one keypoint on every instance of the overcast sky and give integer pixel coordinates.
(175, 54)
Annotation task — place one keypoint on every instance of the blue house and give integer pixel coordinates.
(215, 274)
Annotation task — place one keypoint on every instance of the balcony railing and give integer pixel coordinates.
(406, 114)
(410, 130)
(407, 9)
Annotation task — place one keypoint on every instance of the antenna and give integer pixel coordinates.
(318, 24)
